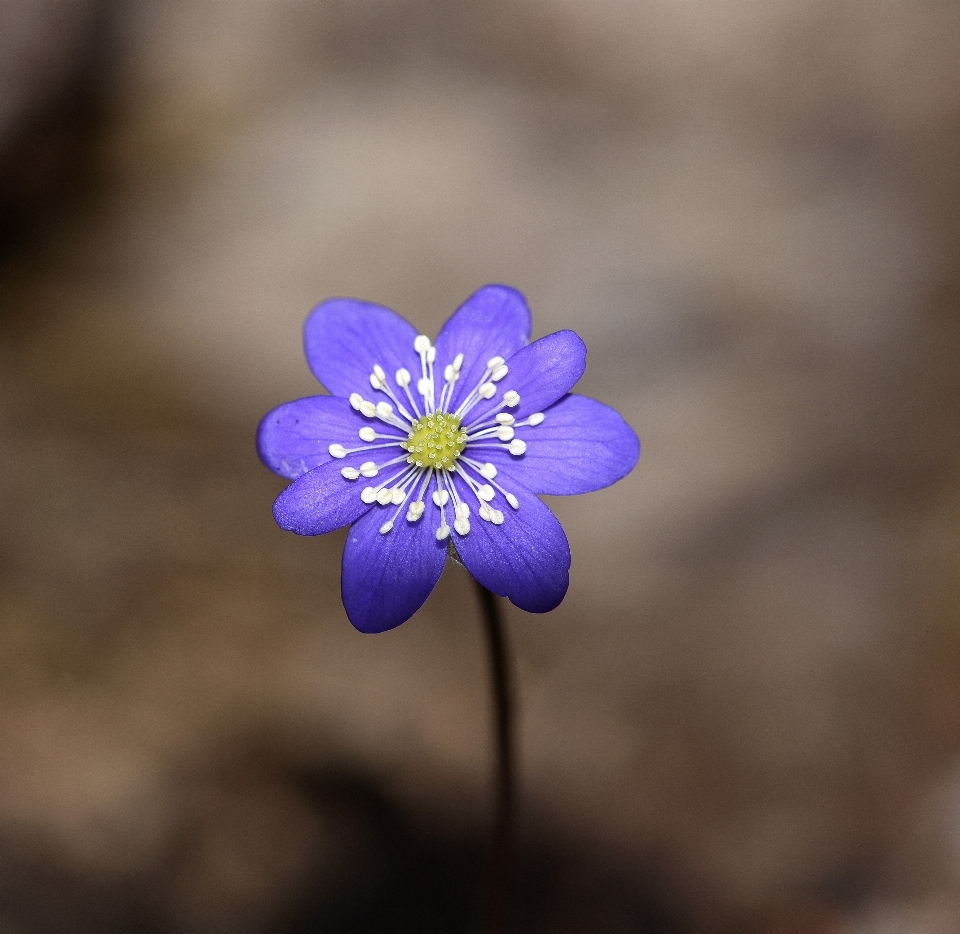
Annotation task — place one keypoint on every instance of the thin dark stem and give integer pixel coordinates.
(504, 842)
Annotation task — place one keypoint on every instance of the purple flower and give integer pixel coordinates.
(421, 445)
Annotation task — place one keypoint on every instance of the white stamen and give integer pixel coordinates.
(369, 469)
(384, 496)
(367, 434)
(505, 432)
(462, 510)
(369, 494)
(417, 506)
(422, 343)
(496, 517)
(350, 473)
(487, 391)
(424, 386)
(512, 398)
(376, 382)
(337, 450)
(355, 400)
(535, 419)
(485, 492)
(505, 418)
(403, 377)
(480, 469)
(441, 497)
(378, 370)
(386, 527)
(399, 495)
(450, 373)
(494, 362)
(458, 362)
(499, 373)
(384, 410)
(368, 409)
(517, 447)
(431, 354)
(443, 532)
(415, 510)
(485, 511)
(462, 526)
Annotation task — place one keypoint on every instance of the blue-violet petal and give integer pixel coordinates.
(387, 578)
(344, 338)
(580, 446)
(527, 558)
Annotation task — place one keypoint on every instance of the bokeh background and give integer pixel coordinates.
(745, 716)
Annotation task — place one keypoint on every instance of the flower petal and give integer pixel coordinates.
(322, 500)
(344, 338)
(387, 578)
(527, 558)
(580, 446)
(295, 437)
(493, 322)
(541, 372)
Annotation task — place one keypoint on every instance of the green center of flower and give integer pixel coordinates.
(436, 440)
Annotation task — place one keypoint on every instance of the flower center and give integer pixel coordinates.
(436, 440)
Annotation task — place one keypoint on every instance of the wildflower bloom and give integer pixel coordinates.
(421, 445)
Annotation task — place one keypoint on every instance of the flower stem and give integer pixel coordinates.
(501, 878)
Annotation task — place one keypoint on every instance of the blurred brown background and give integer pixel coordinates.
(745, 716)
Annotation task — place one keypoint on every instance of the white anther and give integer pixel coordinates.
(486, 492)
(512, 500)
(505, 432)
(384, 409)
(415, 511)
(403, 377)
(450, 373)
(443, 532)
(431, 354)
(422, 343)
(369, 494)
(337, 450)
(369, 469)
(367, 434)
(499, 373)
(458, 362)
(462, 526)
(517, 447)
(496, 517)
(423, 386)
(485, 511)
(376, 382)
(511, 398)
(494, 362)
(386, 526)
(487, 391)
(441, 497)
(350, 473)
(463, 511)
(368, 409)
(398, 496)
(379, 371)
(384, 496)
(488, 471)
(505, 418)
(535, 419)
(355, 400)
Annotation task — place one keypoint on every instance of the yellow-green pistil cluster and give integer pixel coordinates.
(436, 440)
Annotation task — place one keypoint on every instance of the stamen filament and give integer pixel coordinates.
(343, 452)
